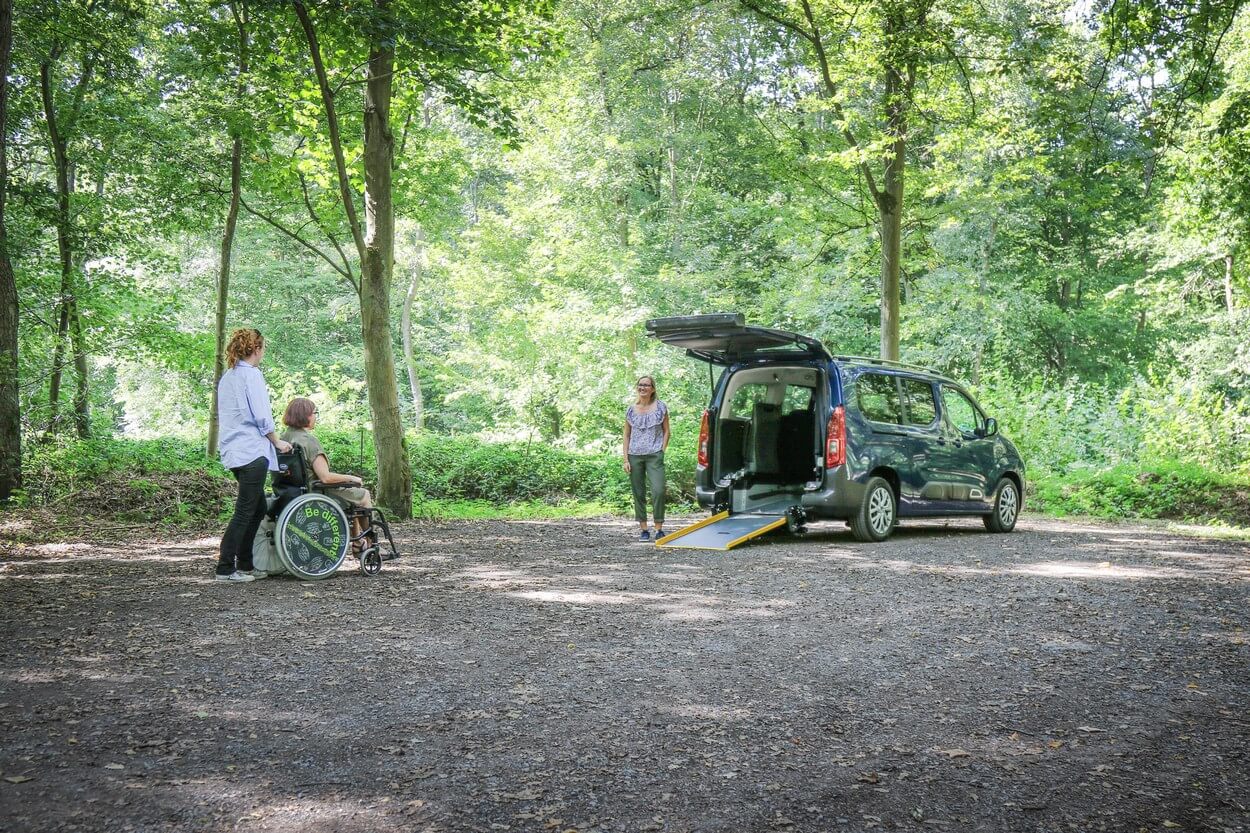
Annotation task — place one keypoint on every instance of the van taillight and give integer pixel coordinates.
(835, 438)
(703, 430)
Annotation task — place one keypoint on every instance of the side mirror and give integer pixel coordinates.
(989, 429)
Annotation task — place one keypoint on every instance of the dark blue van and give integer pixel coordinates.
(862, 440)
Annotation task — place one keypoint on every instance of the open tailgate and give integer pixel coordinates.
(725, 338)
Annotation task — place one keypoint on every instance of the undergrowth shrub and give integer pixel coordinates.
(1080, 428)
(460, 468)
(153, 481)
(1171, 491)
(171, 481)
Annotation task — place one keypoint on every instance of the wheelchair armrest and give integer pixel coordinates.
(317, 486)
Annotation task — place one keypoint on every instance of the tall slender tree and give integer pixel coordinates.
(900, 35)
(10, 407)
(59, 121)
(456, 49)
(238, 12)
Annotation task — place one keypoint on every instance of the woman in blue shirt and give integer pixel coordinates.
(247, 447)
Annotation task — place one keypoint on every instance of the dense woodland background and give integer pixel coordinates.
(1048, 200)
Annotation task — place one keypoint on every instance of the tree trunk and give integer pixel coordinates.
(622, 228)
(227, 235)
(674, 194)
(10, 404)
(82, 396)
(58, 367)
(890, 209)
(983, 289)
(377, 263)
(405, 326)
(223, 288)
(376, 258)
(61, 169)
(1228, 284)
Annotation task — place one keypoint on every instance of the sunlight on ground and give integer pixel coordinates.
(682, 607)
(573, 597)
(1105, 569)
(703, 711)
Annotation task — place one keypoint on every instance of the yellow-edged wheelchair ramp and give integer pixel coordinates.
(722, 532)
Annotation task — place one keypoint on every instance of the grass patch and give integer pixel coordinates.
(1217, 532)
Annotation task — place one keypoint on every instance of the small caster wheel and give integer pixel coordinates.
(371, 562)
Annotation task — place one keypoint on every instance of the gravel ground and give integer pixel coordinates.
(558, 677)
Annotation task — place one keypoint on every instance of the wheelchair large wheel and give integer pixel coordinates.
(312, 535)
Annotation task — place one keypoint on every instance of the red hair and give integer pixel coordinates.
(243, 343)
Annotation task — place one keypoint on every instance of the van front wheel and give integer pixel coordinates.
(877, 513)
(1006, 507)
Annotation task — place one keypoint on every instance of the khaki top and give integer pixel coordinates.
(309, 447)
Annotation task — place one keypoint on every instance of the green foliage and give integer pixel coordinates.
(500, 473)
(480, 510)
(1076, 429)
(1187, 492)
(166, 482)
(1075, 244)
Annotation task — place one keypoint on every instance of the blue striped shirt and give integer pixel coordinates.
(245, 417)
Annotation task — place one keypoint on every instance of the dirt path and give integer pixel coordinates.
(556, 676)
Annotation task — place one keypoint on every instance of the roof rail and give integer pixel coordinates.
(887, 363)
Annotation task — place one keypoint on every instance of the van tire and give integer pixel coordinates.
(877, 513)
(1006, 507)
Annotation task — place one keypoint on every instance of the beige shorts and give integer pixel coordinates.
(348, 496)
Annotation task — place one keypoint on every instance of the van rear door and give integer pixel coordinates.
(725, 339)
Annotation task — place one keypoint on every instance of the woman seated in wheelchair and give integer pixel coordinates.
(300, 418)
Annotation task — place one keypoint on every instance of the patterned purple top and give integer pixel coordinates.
(646, 430)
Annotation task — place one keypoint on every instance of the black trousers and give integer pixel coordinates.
(249, 511)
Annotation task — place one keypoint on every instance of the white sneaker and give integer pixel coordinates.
(257, 575)
(236, 576)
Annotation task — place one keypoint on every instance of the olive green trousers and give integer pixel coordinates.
(647, 470)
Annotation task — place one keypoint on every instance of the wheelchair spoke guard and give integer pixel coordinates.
(312, 535)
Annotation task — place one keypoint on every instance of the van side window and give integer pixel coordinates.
(960, 412)
(918, 402)
(877, 396)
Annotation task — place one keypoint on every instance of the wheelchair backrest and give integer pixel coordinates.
(291, 472)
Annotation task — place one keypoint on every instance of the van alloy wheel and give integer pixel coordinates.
(877, 514)
(1006, 507)
(881, 511)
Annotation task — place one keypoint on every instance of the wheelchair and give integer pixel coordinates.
(312, 533)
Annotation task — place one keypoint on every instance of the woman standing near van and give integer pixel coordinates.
(246, 447)
(646, 437)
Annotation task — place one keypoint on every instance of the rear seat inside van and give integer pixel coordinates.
(767, 431)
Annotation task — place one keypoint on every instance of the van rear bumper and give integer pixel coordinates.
(838, 497)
